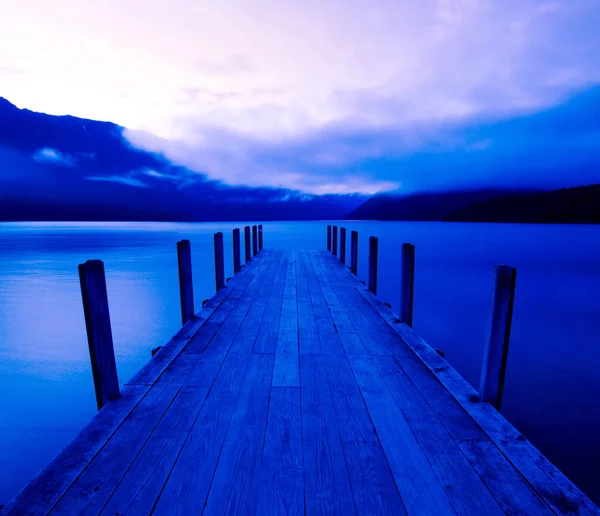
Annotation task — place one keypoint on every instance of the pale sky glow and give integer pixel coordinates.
(230, 86)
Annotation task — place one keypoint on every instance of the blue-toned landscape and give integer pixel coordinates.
(300, 258)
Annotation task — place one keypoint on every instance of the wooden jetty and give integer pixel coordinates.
(295, 390)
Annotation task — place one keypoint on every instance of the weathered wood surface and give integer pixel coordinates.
(254, 240)
(495, 353)
(186, 284)
(354, 252)
(219, 261)
(99, 332)
(247, 248)
(407, 283)
(295, 390)
(237, 260)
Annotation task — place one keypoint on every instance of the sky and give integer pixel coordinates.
(324, 96)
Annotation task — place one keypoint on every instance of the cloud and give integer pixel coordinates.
(126, 180)
(12, 70)
(241, 91)
(236, 160)
(54, 156)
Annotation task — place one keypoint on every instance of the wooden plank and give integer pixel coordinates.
(323, 291)
(329, 338)
(232, 324)
(187, 487)
(352, 343)
(99, 333)
(349, 338)
(44, 491)
(278, 482)
(421, 490)
(326, 484)
(373, 486)
(286, 372)
(230, 489)
(100, 478)
(463, 487)
(308, 330)
(257, 315)
(266, 340)
(512, 491)
(255, 273)
(214, 350)
(143, 482)
(353, 420)
(375, 334)
(453, 416)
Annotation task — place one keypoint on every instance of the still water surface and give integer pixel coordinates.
(552, 391)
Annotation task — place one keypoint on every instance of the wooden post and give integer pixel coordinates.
(99, 334)
(254, 240)
(335, 229)
(373, 250)
(343, 245)
(219, 262)
(328, 237)
(247, 243)
(186, 287)
(260, 237)
(354, 252)
(496, 352)
(407, 281)
(237, 261)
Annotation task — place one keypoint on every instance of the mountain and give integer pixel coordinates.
(422, 206)
(578, 205)
(68, 168)
(568, 205)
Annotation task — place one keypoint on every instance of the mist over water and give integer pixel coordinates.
(552, 391)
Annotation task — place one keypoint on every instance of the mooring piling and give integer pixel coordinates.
(99, 333)
(186, 286)
(373, 254)
(495, 355)
(237, 264)
(407, 282)
(219, 262)
(354, 252)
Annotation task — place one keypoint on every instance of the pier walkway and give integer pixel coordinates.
(294, 390)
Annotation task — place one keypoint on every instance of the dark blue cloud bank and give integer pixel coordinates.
(67, 168)
(553, 148)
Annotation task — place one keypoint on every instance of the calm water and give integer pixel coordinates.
(552, 391)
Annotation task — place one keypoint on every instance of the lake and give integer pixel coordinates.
(552, 390)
